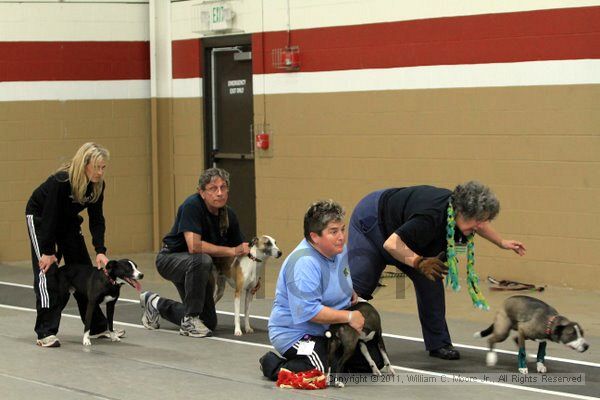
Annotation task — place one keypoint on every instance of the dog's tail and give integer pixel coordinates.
(484, 332)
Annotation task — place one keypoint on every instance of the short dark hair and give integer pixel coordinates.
(208, 175)
(319, 215)
(474, 200)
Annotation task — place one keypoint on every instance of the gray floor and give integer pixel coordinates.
(163, 364)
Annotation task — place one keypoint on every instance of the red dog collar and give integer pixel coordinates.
(549, 324)
(111, 280)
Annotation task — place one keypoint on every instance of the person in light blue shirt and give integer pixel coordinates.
(313, 290)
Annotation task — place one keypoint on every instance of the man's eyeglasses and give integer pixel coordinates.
(216, 189)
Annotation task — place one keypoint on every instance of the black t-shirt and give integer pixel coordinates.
(417, 214)
(193, 216)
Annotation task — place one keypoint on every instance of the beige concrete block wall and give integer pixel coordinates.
(537, 147)
(180, 155)
(188, 152)
(37, 136)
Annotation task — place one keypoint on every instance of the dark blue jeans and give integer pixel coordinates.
(367, 259)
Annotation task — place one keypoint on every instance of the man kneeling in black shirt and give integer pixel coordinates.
(205, 228)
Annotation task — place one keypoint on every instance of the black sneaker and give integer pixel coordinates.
(270, 364)
(448, 352)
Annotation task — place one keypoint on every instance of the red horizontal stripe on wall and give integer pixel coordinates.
(72, 61)
(562, 34)
(187, 59)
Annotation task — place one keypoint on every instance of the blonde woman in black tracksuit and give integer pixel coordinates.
(54, 223)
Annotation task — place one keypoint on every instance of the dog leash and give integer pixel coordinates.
(512, 285)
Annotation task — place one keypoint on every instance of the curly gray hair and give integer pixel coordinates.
(474, 200)
(210, 174)
(320, 214)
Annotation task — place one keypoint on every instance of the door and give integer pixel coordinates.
(228, 128)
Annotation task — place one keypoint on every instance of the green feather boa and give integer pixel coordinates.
(452, 263)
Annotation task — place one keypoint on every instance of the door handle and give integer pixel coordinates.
(232, 156)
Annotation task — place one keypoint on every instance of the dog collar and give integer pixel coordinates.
(250, 256)
(110, 280)
(549, 325)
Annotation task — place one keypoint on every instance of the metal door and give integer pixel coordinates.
(229, 116)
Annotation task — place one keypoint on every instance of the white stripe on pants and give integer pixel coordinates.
(314, 358)
(42, 286)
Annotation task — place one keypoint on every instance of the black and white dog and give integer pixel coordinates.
(243, 274)
(100, 286)
(535, 320)
(346, 338)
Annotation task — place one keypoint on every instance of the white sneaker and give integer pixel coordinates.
(48, 341)
(151, 316)
(194, 327)
(106, 334)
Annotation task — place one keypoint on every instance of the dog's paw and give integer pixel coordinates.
(114, 337)
(237, 332)
(249, 329)
(390, 370)
(541, 368)
(491, 358)
(338, 384)
(524, 371)
(87, 342)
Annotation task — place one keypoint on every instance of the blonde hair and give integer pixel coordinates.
(88, 153)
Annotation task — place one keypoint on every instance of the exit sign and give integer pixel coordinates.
(216, 17)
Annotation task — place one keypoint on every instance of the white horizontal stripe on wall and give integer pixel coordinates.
(22, 22)
(307, 14)
(537, 73)
(569, 72)
(183, 88)
(93, 90)
(74, 90)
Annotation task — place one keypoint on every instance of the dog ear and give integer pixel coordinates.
(110, 265)
(253, 242)
(557, 332)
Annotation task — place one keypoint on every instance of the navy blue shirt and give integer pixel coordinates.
(193, 216)
(418, 214)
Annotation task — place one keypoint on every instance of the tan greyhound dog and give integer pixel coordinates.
(243, 274)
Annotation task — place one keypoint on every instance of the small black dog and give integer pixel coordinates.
(100, 286)
(347, 338)
(535, 320)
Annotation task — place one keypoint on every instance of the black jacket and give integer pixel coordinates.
(56, 213)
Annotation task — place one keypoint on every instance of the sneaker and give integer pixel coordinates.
(106, 334)
(270, 364)
(151, 314)
(48, 341)
(194, 327)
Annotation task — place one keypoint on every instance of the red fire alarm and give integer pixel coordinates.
(262, 141)
(287, 58)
